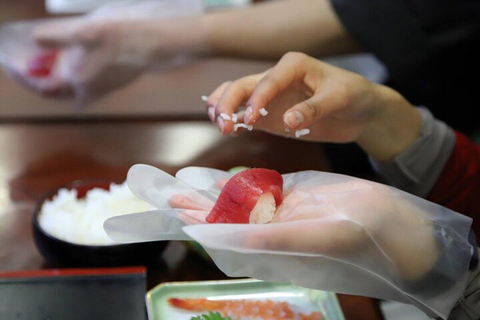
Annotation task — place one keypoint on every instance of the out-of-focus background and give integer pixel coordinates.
(173, 94)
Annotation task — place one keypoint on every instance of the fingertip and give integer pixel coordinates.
(293, 119)
(211, 113)
(236, 131)
(47, 36)
(224, 126)
(251, 115)
(177, 201)
(220, 124)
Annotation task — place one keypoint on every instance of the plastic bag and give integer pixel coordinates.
(332, 232)
(85, 70)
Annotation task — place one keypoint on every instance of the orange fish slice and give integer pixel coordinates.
(265, 310)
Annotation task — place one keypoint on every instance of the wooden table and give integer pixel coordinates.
(37, 157)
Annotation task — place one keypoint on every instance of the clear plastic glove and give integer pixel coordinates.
(332, 232)
(98, 52)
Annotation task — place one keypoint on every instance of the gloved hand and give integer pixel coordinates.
(332, 232)
(99, 52)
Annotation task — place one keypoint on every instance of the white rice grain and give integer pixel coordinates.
(242, 125)
(225, 116)
(264, 209)
(81, 220)
(263, 112)
(302, 132)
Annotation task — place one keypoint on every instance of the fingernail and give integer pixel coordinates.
(248, 115)
(211, 113)
(293, 119)
(220, 124)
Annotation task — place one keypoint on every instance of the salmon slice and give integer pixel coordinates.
(265, 310)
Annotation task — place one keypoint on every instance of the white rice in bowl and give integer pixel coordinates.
(81, 221)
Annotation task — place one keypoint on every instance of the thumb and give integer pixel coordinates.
(306, 113)
(179, 201)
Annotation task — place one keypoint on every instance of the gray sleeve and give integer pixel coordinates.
(417, 168)
(468, 306)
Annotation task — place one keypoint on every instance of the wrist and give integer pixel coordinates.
(392, 128)
(180, 36)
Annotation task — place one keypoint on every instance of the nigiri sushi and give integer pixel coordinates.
(250, 196)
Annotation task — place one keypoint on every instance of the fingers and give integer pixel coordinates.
(291, 68)
(67, 32)
(213, 100)
(334, 237)
(303, 76)
(225, 101)
(188, 210)
(180, 201)
(190, 217)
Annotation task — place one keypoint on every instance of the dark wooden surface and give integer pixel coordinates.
(37, 157)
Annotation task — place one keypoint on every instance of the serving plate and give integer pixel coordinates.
(300, 299)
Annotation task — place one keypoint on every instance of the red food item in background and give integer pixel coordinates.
(240, 194)
(267, 310)
(41, 65)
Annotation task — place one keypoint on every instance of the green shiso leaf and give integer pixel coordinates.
(211, 316)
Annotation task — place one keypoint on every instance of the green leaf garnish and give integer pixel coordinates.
(211, 316)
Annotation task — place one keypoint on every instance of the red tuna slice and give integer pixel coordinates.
(41, 65)
(252, 192)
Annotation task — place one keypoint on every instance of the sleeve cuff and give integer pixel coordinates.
(417, 168)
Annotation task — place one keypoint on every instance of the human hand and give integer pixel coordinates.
(341, 217)
(341, 220)
(334, 104)
(332, 232)
(113, 45)
(97, 56)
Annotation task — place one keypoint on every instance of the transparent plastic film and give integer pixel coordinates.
(76, 57)
(331, 232)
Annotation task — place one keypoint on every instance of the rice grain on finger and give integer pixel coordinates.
(302, 132)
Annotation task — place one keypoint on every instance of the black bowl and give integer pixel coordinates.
(63, 253)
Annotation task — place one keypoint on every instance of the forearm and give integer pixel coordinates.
(269, 30)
